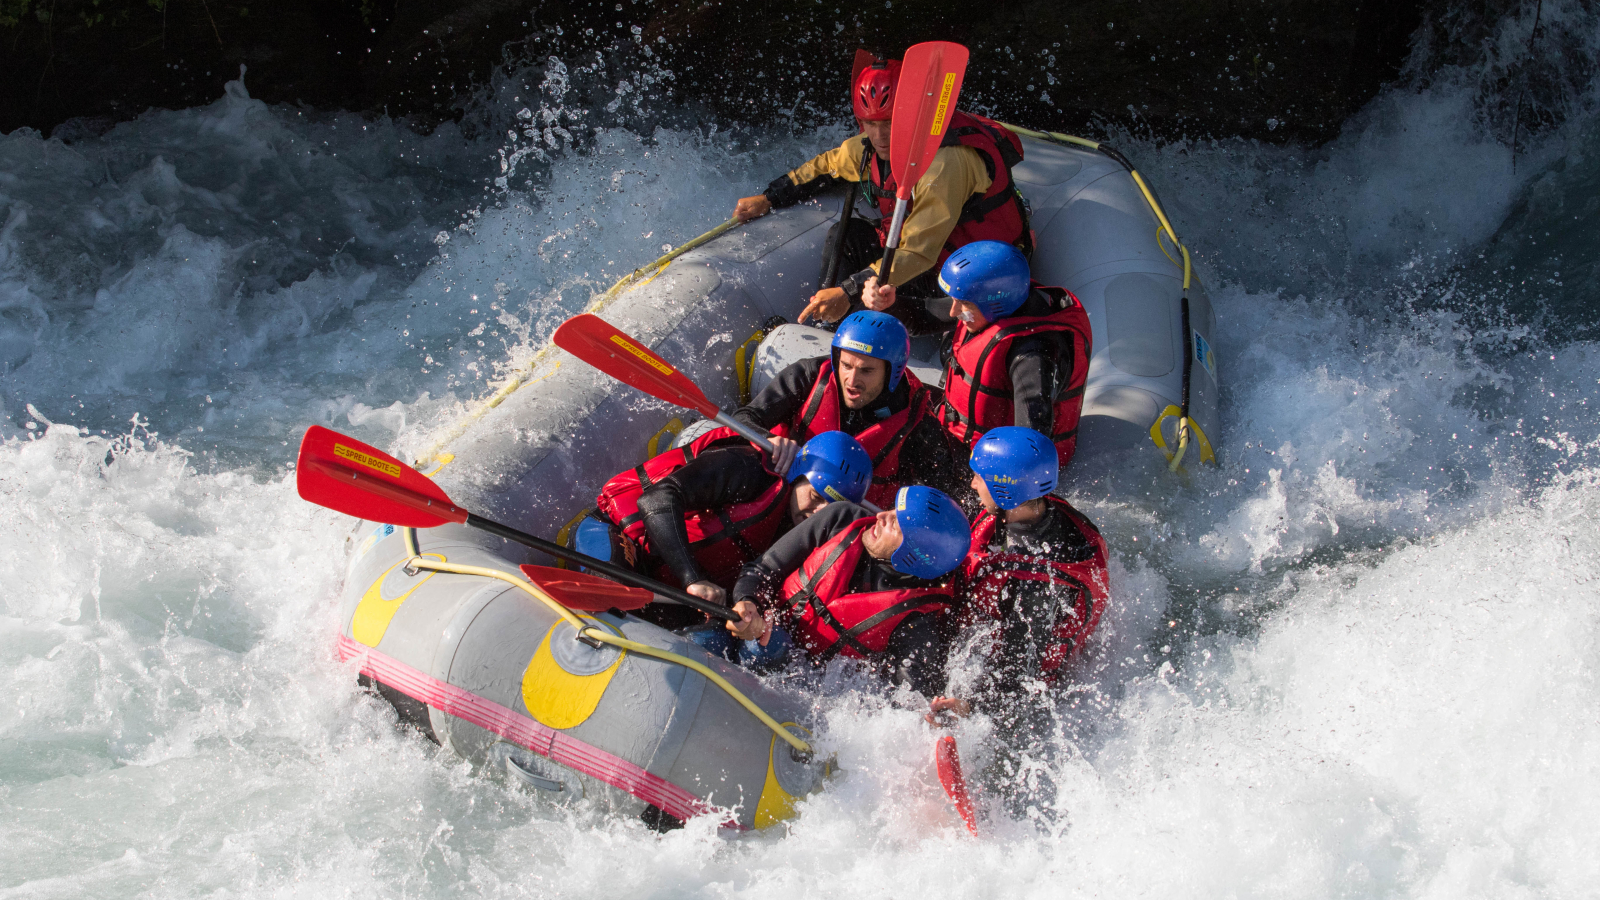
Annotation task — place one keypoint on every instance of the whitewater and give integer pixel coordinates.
(1358, 658)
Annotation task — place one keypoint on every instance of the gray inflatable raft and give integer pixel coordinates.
(648, 720)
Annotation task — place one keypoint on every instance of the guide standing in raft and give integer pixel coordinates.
(966, 195)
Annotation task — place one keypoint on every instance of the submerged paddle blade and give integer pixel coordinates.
(602, 345)
(360, 480)
(576, 590)
(924, 101)
(948, 762)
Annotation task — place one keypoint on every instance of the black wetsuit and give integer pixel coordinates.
(1028, 614)
(919, 645)
(1040, 366)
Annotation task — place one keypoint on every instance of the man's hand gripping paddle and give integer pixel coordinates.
(604, 346)
(924, 101)
(347, 476)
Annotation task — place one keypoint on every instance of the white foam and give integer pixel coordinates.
(1354, 659)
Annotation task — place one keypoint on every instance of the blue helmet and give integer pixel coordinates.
(1018, 464)
(836, 466)
(988, 274)
(936, 534)
(878, 335)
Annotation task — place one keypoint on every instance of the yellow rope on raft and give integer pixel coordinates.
(589, 631)
(1053, 135)
(520, 377)
(1185, 423)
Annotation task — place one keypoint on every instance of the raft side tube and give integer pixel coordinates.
(496, 667)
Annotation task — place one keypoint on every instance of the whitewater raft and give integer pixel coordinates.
(647, 722)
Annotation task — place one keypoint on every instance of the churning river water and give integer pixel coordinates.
(1357, 659)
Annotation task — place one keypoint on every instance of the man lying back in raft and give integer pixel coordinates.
(1035, 575)
(864, 389)
(695, 515)
(965, 195)
(847, 582)
(1020, 351)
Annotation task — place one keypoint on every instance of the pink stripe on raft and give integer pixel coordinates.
(525, 732)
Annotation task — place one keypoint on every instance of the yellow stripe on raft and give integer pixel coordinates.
(622, 643)
(373, 614)
(776, 804)
(557, 697)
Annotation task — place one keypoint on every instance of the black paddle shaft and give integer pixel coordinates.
(836, 252)
(614, 572)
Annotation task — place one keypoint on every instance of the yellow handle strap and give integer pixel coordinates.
(1183, 444)
(605, 637)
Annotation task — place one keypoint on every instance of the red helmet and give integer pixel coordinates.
(874, 91)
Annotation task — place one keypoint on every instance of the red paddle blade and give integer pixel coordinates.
(864, 58)
(360, 480)
(955, 784)
(924, 101)
(576, 590)
(600, 344)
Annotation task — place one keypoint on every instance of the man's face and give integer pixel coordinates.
(984, 497)
(861, 378)
(805, 501)
(878, 134)
(883, 537)
(968, 313)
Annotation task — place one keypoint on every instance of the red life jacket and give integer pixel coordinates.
(978, 394)
(997, 214)
(882, 440)
(826, 620)
(984, 575)
(721, 540)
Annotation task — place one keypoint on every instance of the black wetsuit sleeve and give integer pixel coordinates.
(780, 401)
(1035, 371)
(782, 192)
(917, 652)
(719, 477)
(1026, 632)
(1029, 612)
(767, 572)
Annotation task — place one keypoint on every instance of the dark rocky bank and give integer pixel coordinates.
(1294, 69)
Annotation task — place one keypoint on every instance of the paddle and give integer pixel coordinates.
(577, 590)
(347, 476)
(604, 346)
(948, 762)
(924, 101)
(830, 277)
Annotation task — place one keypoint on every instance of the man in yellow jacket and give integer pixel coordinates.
(965, 195)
